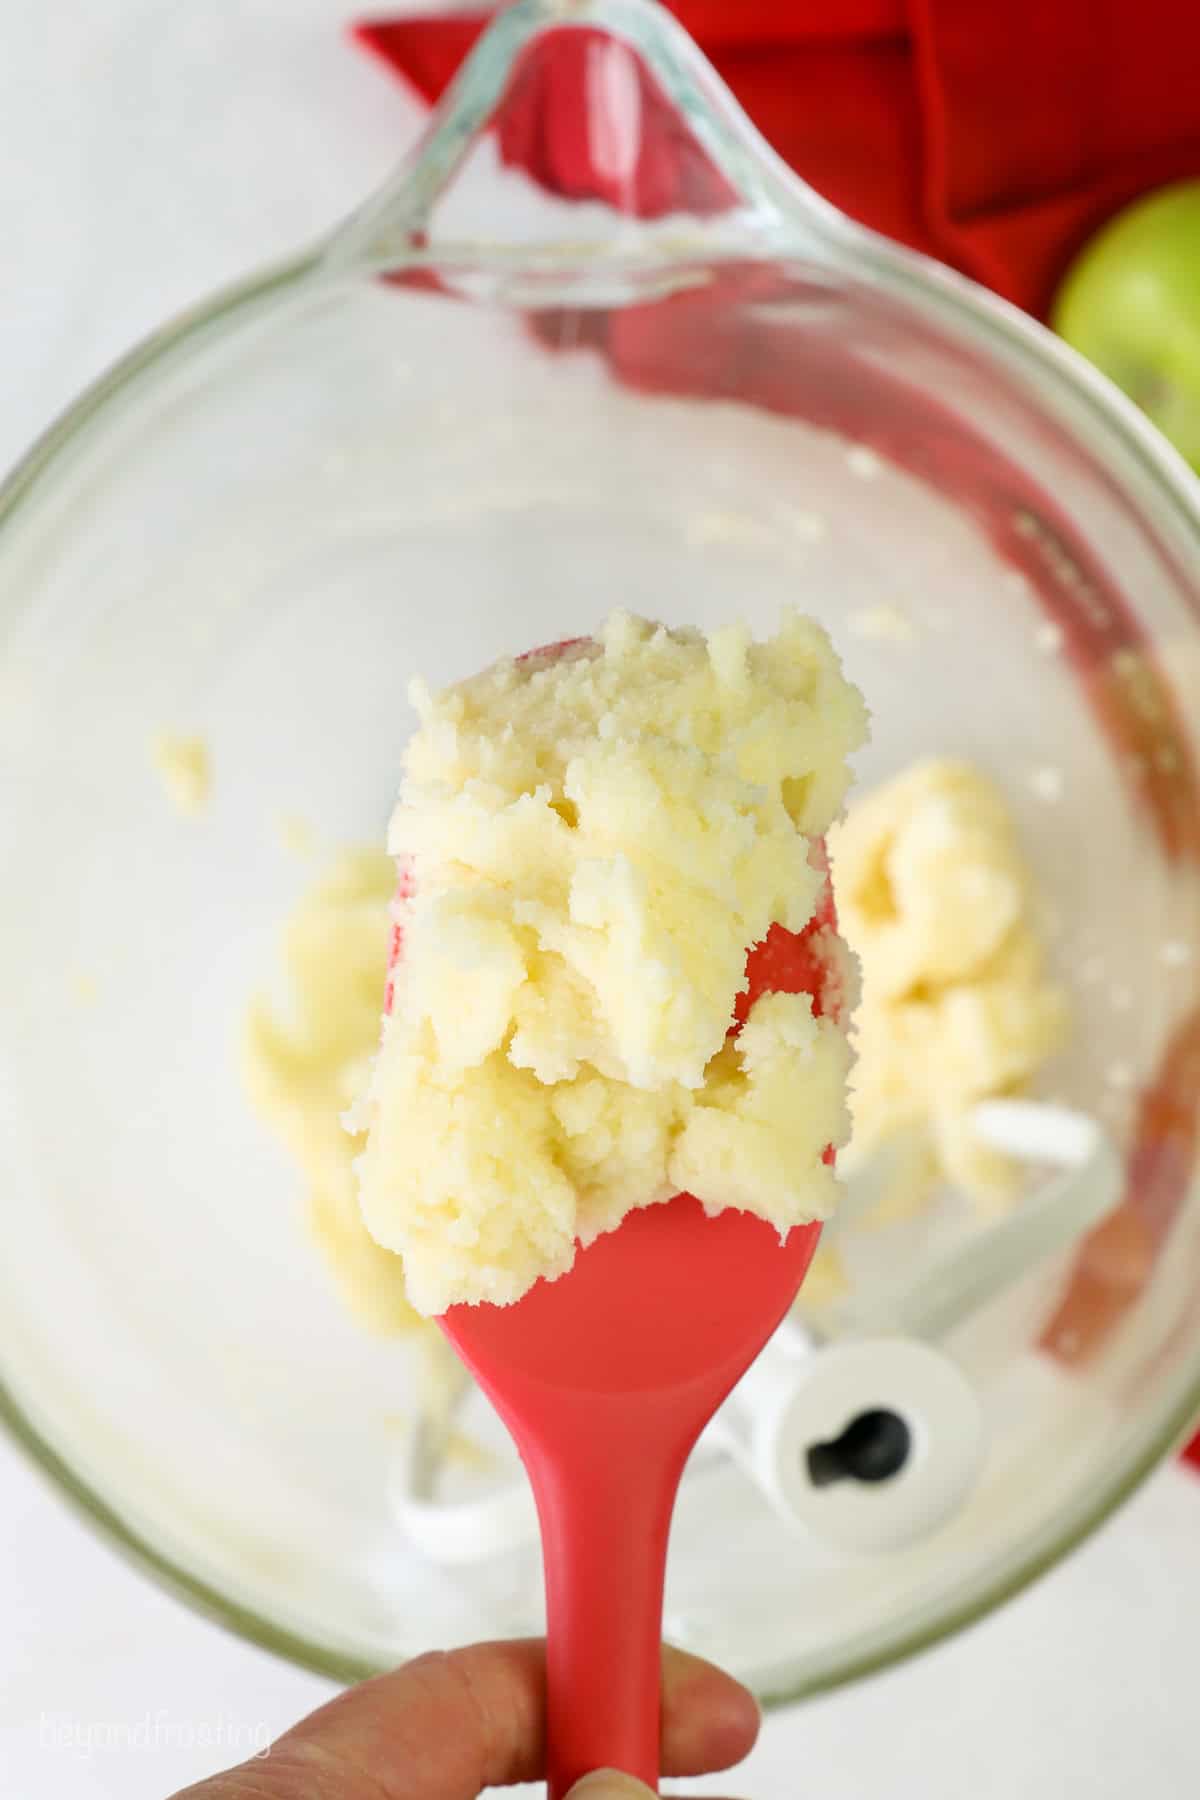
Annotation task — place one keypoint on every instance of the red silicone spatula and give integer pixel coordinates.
(605, 1378)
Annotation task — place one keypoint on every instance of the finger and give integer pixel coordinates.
(447, 1725)
(475, 1717)
(710, 1721)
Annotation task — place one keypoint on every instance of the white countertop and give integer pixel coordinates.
(163, 150)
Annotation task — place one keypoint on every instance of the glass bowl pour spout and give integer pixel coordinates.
(603, 101)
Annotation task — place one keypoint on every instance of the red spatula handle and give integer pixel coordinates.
(606, 1378)
(605, 1513)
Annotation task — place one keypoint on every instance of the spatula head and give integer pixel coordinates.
(672, 1299)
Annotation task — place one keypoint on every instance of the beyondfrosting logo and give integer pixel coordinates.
(84, 1738)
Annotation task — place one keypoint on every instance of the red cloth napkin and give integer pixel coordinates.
(996, 136)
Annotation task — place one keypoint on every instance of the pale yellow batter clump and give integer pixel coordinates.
(594, 839)
(935, 897)
(306, 1058)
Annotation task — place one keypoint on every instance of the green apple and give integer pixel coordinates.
(1131, 303)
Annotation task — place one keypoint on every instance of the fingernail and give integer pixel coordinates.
(610, 1784)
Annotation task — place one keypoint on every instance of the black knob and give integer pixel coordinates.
(873, 1447)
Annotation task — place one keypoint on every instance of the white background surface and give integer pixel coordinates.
(149, 150)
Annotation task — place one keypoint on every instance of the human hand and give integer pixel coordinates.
(448, 1725)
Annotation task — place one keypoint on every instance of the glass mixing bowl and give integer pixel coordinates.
(476, 418)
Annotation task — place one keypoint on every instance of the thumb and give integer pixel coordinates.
(609, 1784)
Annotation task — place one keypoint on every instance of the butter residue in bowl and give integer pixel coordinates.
(936, 898)
(305, 1057)
(595, 837)
(184, 767)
